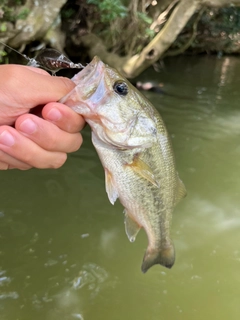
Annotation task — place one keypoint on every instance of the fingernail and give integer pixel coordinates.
(28, 126)
(7, 139)
(54, 115)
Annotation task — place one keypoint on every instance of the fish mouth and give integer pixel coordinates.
(91, 74)
(89, 89)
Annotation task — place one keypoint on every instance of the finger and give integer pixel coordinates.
(47, 135)
(43, 87)
(64, 117)
(8, 162)
(23, 149)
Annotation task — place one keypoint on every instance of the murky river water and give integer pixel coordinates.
(63, 249)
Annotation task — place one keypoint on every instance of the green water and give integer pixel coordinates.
(63, 249)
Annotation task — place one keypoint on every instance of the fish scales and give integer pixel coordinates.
(134, 148)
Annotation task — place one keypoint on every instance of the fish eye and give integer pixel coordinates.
(120, 87)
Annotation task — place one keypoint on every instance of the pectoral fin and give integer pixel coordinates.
(110, 188)
(143, 169)
(131, 227)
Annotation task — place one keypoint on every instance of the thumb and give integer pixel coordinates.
(46, 88)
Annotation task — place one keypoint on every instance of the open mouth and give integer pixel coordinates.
(90, 74)
(89, 88)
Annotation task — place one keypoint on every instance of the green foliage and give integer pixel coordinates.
(3, 27)
(22, 15)
(217, 31)
(221, 20)
(68, 13)
(123, 25)
(7, 12)
(19, 2)
(150, 33)
(146, 21)
(3, 57)
(10, 9)
(142, 16)
(109, 9)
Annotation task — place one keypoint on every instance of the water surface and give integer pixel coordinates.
(63, 249)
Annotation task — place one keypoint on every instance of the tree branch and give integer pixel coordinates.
(163, 40)
(190, 41)
(96, 47)
(39, 20)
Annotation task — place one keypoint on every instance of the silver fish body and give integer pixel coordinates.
(134, 148)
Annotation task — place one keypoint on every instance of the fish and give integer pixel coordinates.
(135, 150)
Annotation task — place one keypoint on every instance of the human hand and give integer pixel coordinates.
(36, 142)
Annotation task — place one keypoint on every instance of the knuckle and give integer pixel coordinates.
(5, 127)
(3, 166)
(59, 161)
(25, 167)
(52, 143)
(28, 159)
(67, 84)
(67, 142)
(77, 143)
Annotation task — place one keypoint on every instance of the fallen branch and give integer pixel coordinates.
(163, 40)
(162, 17)
(96, 47)
(189, 42)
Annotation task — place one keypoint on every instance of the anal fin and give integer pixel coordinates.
(131, 227)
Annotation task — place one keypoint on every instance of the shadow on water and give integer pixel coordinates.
(63, 249)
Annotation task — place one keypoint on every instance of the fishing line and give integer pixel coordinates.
(49, 59)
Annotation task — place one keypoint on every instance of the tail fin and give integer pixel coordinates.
(165, 257)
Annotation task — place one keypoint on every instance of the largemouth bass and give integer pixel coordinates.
(134, 147)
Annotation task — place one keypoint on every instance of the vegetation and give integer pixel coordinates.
(10, 11)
